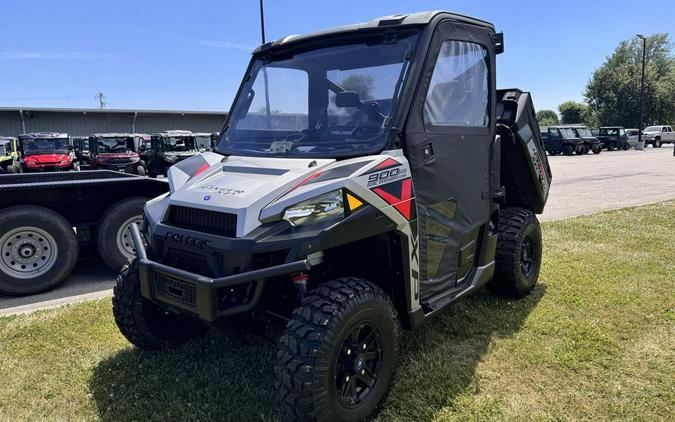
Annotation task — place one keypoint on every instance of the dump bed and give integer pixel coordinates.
(525, 172)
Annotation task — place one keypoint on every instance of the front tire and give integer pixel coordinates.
(113, 238)
(144, 324)
(337, 357)
(657, 143)
(597, 149)
(519, 253)
(568, 150)
(38, 249)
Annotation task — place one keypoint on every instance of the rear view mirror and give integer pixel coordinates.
(347, 99)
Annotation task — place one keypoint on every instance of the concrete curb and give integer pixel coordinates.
(54, 303)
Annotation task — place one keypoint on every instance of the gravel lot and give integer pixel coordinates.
(581, 185)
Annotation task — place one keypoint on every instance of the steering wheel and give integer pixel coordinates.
(365, 132)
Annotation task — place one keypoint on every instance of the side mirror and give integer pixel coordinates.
(347, 99)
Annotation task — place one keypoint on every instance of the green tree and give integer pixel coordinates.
(613, 92)
(572, 112)
(547, 118)
(361, 84)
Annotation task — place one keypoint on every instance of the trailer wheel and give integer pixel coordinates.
(38, 249)
(337, 357)
(568, 149)
(113, 237)
(144, 324)
(519, 253)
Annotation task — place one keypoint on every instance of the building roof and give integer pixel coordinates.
(106, 110)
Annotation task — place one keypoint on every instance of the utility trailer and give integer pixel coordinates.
(46, 217)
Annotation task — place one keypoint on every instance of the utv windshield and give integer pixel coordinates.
(203, 142)
(45, 146)
(178, 143)
(567, 133)
(584, 132)
(114, 145)
(328, 102)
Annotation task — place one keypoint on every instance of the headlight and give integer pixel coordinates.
(316, 209)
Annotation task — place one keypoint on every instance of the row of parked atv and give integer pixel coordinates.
(579, 139)
(133, 153)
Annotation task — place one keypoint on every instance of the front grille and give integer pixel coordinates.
(175, 289)
(207, 221)
(188, 261)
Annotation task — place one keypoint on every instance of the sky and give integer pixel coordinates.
(191, 55)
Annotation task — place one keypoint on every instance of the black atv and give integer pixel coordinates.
(561, 140)
(591, 143)
(350, 210)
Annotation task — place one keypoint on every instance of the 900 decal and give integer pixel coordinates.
(385, 176)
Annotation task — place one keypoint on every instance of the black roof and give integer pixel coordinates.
(383, 22)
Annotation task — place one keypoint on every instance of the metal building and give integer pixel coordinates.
(83, 122)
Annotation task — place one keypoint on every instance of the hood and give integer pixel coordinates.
(46, 158)
(237, 185)
(651, 132)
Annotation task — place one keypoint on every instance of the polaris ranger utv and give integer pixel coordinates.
(366, 177)
(117, 151)
(591, 143)
(169, 148)
(561, 140)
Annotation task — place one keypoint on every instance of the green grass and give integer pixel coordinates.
(595, 340)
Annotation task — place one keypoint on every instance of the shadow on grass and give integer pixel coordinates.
(221, 378)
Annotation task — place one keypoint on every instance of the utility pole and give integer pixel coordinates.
(640, 144)
(101, 100)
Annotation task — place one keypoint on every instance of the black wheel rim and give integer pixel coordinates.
(527, 257)
(358, 365)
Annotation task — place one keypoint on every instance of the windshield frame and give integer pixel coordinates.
(352, 38)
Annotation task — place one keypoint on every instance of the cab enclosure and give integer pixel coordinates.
(169, 148)
(117, 151)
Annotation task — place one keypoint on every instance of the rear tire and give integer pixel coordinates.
(626, 146)
(113, 237)
(581, 151)
(146, 325)
(337, 357)
(519, 253)
(38, 249)
(568, 150)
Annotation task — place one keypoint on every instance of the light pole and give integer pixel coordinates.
(640, 144)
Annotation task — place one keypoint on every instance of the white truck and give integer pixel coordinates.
(658, 135)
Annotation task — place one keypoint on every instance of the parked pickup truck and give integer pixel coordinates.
(658, 135)
(45, 217)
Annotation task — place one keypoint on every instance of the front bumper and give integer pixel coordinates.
(205, 297)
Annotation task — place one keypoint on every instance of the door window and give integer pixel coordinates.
(458, 93)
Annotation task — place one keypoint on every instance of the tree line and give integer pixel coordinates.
(612, 95)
